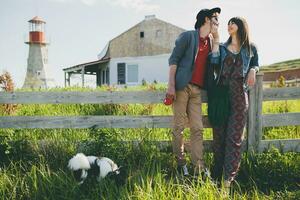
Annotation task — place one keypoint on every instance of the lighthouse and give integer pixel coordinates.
(37, 62)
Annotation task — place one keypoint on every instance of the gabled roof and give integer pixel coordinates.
(105, 54)
(110, 50)
(146, 19)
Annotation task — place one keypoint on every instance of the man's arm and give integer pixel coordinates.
(179, 49)
(176, 55)
(171, 84)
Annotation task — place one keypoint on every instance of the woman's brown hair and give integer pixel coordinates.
(242, 32)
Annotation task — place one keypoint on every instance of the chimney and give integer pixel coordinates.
(149, 17)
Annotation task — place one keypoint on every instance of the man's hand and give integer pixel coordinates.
(171, 92)
(251, 77)
(171, 84)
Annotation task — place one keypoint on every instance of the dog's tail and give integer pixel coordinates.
(79, 161)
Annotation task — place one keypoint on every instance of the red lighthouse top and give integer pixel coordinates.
(37, 20)
(36, 31)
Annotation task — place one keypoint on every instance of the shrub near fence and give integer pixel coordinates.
(256, 120)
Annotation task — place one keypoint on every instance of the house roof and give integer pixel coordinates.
(153, 48)
(85, 65)
(147, 18)
(105, 54)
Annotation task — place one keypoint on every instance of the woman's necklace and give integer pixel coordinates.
(234, 48)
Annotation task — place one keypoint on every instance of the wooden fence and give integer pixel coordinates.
(256, 120)
(288, 83)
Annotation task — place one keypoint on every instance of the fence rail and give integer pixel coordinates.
(293, 82)
(118, 97)
(279, 94)
(90, 122)
(256, 120)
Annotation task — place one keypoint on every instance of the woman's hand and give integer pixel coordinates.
(251, 77)
(214, 26)
(214, 31)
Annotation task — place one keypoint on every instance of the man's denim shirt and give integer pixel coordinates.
(249, 61)
(183, 56)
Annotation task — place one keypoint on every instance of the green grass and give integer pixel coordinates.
(286, 132)
(290, 64)
(33, 161)
(38, 174)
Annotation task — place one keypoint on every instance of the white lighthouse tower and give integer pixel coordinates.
(37, 63)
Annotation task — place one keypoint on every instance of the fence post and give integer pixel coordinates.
(255, 115)
(259, 104)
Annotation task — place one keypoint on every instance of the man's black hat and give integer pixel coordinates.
(205, 13)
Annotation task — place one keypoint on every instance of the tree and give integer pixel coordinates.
(7, 85)
(281, 81)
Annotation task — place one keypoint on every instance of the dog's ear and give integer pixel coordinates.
(119, 176)
(111, 174)
(123, 170)
(120, 179)
(118, 170)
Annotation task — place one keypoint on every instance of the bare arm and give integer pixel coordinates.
(215, 46)
(215, 52)
(215, 33)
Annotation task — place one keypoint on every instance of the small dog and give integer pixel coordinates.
(85, 166)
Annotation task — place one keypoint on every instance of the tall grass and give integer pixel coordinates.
(33, 161)
(148, 172)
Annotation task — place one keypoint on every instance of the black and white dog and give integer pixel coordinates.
(91, 166)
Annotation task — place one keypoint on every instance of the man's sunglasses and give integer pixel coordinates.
(217, 19)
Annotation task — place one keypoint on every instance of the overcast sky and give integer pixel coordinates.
(79, 29)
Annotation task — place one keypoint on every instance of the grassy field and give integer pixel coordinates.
(34, 161)
(290, 64)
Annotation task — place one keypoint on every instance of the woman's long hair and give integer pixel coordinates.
(242, 33)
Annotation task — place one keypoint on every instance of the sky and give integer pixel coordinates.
(79, 29)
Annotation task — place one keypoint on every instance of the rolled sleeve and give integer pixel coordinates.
(254, 60)
(215, 57)
(179, 49)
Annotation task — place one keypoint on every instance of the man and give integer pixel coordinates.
(186, 78)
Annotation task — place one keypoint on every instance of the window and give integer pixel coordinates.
(121, 73)
(142, 34)
(38, 73)
(103, 76)
(158, 33)
(107, 76)
(132, 73)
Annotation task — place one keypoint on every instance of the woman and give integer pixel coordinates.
(237, 60)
